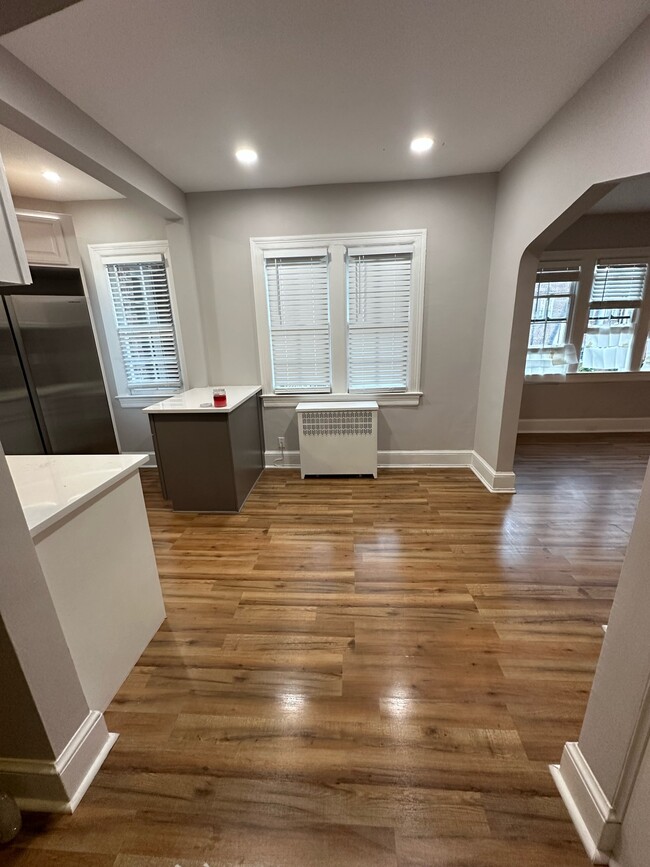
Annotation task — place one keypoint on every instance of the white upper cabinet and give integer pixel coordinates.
(14, 269)
(44, 239)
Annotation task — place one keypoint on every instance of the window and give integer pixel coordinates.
(340, 315)
(134, 286)
(548, 348)
(616, 296)
(596, 305)
(298, 303)
(379, 304)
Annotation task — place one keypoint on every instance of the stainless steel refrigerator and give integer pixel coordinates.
(52, 395)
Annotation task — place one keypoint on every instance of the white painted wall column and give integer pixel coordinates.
(598, 775)
(51, 743)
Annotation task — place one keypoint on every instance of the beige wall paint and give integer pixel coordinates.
(599, 136)
(458, 214)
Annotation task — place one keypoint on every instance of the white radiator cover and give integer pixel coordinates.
(338, 438)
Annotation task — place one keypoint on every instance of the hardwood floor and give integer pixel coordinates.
(358, 672)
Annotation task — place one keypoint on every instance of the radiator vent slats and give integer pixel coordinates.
(350, 423)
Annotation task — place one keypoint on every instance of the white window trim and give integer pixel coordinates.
(586, 259)
(98, 254)
(337, 244)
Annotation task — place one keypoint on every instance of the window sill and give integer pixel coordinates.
(401, 398)
(624, 376)
(139, 401)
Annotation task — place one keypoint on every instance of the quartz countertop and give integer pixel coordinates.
(52, 487)
(190, 401)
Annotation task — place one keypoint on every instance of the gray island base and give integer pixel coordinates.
(209, 458)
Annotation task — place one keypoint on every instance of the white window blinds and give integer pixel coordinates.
(617, 283)
(379, 309)
(145, 327)
(298, 306)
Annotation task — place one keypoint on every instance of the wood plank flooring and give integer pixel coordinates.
(358, 672)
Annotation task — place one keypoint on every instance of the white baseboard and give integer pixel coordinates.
(584, 425)
(275, 460)
(496, 482)
(588, 806)
(58, 785)
(436, 459)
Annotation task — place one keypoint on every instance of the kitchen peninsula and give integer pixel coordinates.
(88, 522)
(209, 458)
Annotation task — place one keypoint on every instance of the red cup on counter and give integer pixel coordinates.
(219, 397)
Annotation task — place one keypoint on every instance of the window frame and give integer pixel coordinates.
(99, 253)
(554, 267)
(337, 245)
(586, 260)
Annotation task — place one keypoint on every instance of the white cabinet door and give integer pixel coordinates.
(14, 269)
(44, 240)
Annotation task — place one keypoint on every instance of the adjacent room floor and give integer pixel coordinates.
(358, 672)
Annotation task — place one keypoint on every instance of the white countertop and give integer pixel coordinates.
(51, 487)
(190, 401)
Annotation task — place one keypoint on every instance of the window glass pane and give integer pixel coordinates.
(540, 308)
(558, 308)
(549, 326)
(554, 288)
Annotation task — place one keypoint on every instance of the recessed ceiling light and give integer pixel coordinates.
(246, 156)
(422, 144)
(54, 177)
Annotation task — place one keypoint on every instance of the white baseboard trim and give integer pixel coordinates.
(57, 786)
(584, 425)
(433, 459)
(496, 482)
(275, 460)
(590, 810)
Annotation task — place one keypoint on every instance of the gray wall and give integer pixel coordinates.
(592, 399)
(598, 137)
(458, 214)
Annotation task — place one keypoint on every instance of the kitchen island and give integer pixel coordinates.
(87, 518)
(209, 458)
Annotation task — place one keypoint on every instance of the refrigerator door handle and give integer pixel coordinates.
(27, 373)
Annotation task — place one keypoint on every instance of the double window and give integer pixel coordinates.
(340, 315)
(590, 315)
(134, 286)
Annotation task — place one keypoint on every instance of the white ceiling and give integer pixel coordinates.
(326, 90)
(24, 163)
